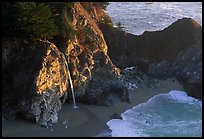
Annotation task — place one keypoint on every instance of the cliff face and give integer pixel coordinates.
(35, 78)
(35, 81)
(174, 51)
(88, 54)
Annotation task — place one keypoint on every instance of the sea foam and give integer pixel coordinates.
(164, 115)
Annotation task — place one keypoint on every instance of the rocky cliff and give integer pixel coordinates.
(174, 51)
(35, 78)
(36, 81)
(92, 68)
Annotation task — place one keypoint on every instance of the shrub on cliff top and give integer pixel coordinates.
(28, 21)
(63, 17)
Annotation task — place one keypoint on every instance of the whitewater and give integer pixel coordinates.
(174, 114)
(170, 114)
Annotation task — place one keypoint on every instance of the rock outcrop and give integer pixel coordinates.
(35, 81)
(35, 78)
(174, 51)
(92, 69)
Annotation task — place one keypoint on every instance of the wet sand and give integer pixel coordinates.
(86, 120)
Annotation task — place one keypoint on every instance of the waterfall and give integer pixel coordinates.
(70, 80)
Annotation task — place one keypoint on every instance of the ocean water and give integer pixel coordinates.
(136, 17)
(165, 115)
(174, 114)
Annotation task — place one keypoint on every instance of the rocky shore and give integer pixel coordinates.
(175, 51)
(87, 120)
(36, 81)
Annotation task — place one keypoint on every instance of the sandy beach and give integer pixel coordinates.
(86, 120)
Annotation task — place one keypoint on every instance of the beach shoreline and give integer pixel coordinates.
(86, 120)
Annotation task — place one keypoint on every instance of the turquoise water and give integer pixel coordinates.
(174, 114)
(170, 114)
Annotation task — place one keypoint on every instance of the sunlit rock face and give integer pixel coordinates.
(53, 75)
(174, 51)
(87, 53)
(35, 77)
(51, 85)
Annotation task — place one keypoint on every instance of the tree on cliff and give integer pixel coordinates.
(28, 21)
(61, 10)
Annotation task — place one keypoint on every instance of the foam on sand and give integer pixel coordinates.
(171, 114)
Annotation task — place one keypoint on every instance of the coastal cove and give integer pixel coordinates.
(87, 120)
(78, 69)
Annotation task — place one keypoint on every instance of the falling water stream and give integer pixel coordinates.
(70, 80)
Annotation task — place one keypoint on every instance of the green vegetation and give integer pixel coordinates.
(60, 11)
(32, 21)
(29, 21)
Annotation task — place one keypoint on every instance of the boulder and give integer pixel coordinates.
(35, 81)
(105, 89)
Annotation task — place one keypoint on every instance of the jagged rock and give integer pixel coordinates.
(105, 89)
(37, 85)
(44, 109)
(174, 51)
(35, 78)
(88, 53)
(133, 77)
(132, 72)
